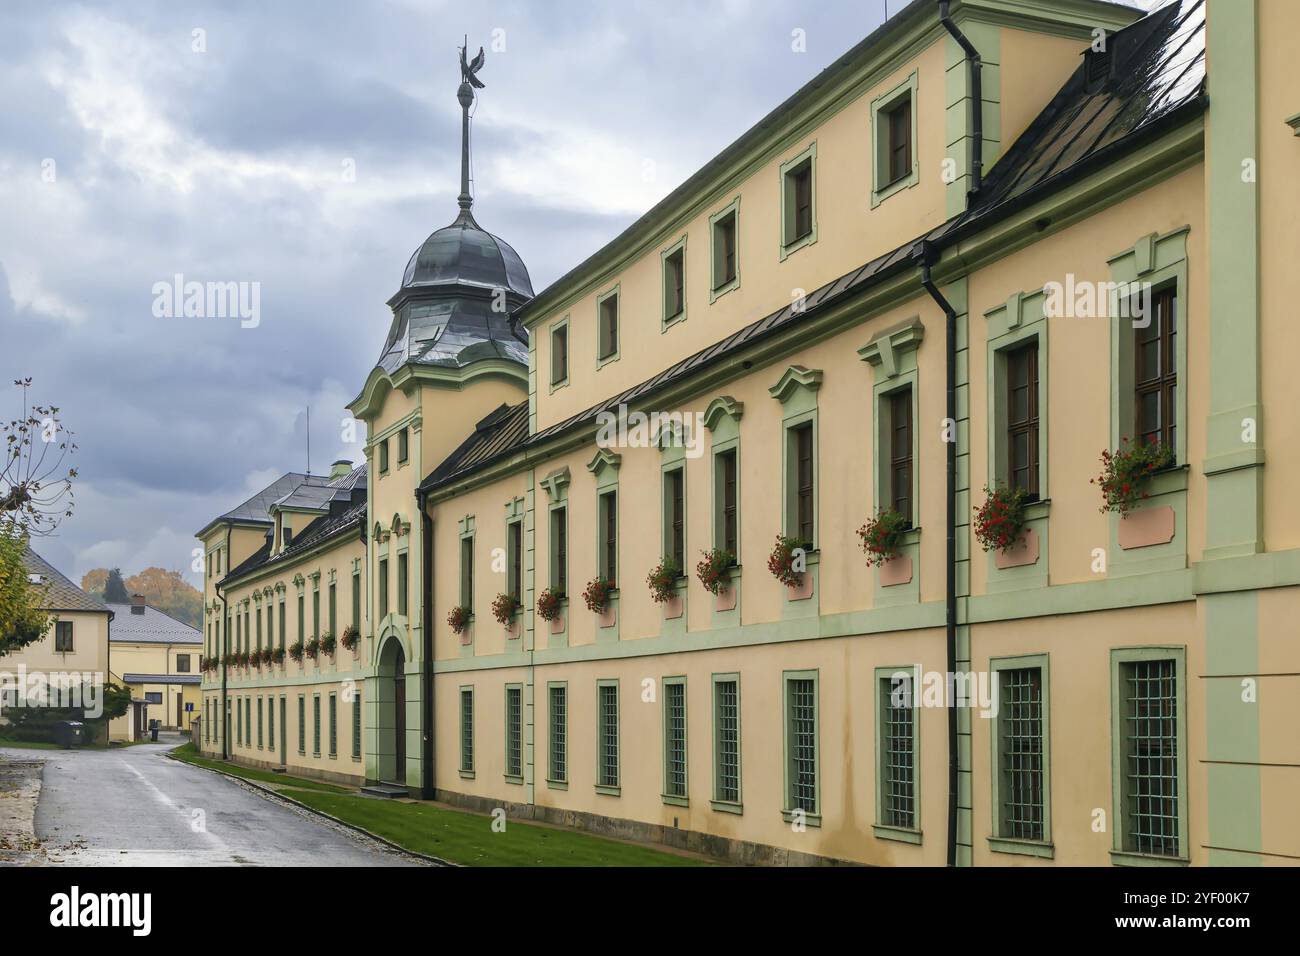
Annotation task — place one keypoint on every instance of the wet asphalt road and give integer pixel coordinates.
(136, 807)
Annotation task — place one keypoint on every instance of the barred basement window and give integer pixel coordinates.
(1150, 756)
(898, 752)
(726, 741)
(514, 732)
(559, 734)
(334, 725)
(315, 724)
(1020, 754)
(302, 724)
(801, 743)
(356, 726)
(467, 730)
(607, 732)
(675, 739)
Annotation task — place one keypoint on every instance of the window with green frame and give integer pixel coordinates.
(467, 730)
(302, 620)
(674, 505)
(302, 724)
(467, 572)
(515, 559)
(282, 620)
(315, 610)
(334, 725)
(1021, 763)
(799, 201)
(248, 721)
(897, 752)
(607, 318)
(403, 446)
(1148, 696)
(356, 600)
(315, 725)
(333, 605)
(675, 781)
(270, 623)
(514, 732)
(383, 456)
(674, 283)
(558, 733)
(257, 618)
(259, 723)
(383, 588)
(608, 532)
(239, 723)
(607, 765)
(726, 740)
(801, 743)
(356, 725)
(560, 549)
(403, 576)
(270, 724)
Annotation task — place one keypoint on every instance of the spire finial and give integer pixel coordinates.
(465, 96)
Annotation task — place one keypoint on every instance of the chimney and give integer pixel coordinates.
(340, 468)
(137, 604)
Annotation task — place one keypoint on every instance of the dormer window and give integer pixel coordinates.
(288, 537)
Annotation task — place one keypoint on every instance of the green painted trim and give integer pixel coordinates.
(466, 767)
(553, 781)
(898, 834)
(718, 290)
(879, 147)
(790, 247)
(721, 806)
(610, 293)
(793, 379)
(609, 790)
(505, 728)
(788, 813)
(561, 324)
(667, 321)
(369, 402)
(1120, 656)
(998, 841)
(723, 405)
(673, 799)
(984, 33)
(880, 676)
(728, 806)
(604, 464)
(887, 348)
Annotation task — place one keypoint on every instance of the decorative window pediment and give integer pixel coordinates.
(795, 378)
(604, 460)
(887, 350)
(720, 407)
(556, 484)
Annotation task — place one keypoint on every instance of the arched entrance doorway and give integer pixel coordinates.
(392, 713)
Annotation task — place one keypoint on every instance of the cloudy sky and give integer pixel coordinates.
(310, 147)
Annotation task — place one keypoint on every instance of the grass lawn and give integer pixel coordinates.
(467, 838)
(190, 754)
(33, 745)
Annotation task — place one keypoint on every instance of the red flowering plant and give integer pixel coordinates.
(243, 658)
(714, 569)
(1126, 473)
(504, 608)
(882, 535)
(277, 655)
(296, 650)
(458, 619)
(596, 595)
(786, 562)
(313, 648)
(663, 579)
(351, 637)
(267, 656)
(1000, 521)
(549, 603)
(328, 642)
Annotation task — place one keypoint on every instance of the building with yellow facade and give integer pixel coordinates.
(157, 657)
(610, 557)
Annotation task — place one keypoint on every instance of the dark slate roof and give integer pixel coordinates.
(465, 254)
(162, 678)
(452, 331)
(341, 520)
(60, 594)
(151, 627)
(1156, 79)
(500, 431)
(255, 509)
(318, 497)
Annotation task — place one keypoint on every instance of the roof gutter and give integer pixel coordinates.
(975, 68)
(925, 255)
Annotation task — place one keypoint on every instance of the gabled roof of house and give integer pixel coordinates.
(60, 593)
(1154, 81)
(151, 627)
(255, 510)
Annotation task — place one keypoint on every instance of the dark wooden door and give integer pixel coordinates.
(399, 727)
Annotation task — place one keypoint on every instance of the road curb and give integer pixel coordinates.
(271, 792)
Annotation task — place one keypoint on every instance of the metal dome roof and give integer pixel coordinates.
(465, 254)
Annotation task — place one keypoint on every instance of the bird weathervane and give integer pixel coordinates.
(469, 81)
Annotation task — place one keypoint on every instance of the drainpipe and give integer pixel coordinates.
(974, 66)
(426, 668)
(225, 641)
(925, 256)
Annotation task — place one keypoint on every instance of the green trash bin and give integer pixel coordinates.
(69, 733)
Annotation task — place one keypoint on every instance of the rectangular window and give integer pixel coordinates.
(607, 735)
(356, 726)
(801, 449)
(675, 739)
(675, 516)
(270, 624)
(560, 550)
(729, 501)
(334, 725)
(270, 724)
(1156, 379)
(726, 739)
(609, 536)
(900, 452)
(403, 446)
(356, 601)
(515, 559)
(282, 619)
(403, 576)
(675, 284)
(248, 631)
(798, 202)
(383, 588)
(896, 751)
(558, 771)
(315, 611)
(182, 663)
(514, 732)
(315, 725)
(560, 354)
(302, 724)
(898, 122)
(1021, 813)
(333, 605)
(467, 573)
(383, 456)
(724, 251)
(248, 720)
(302, 621)
(259, 723)
(801, 743)
(467, 730)
(154, 696)
(1151, 778)
(257, 620)
(1022, 419)
(608, 319)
